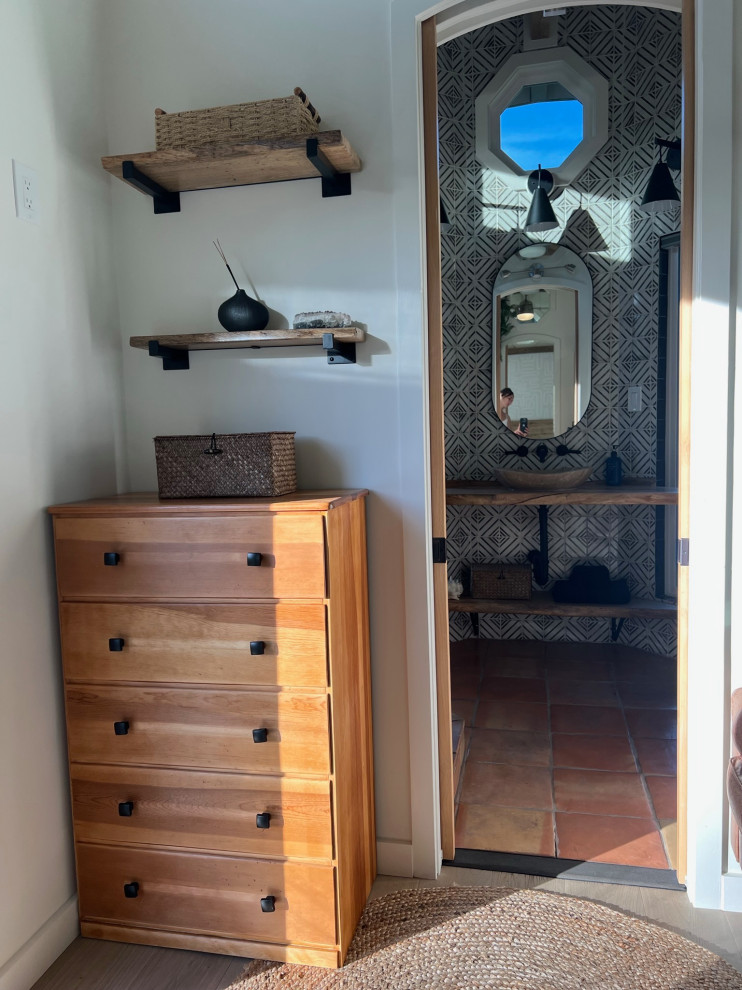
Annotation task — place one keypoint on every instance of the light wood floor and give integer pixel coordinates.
(89, 964)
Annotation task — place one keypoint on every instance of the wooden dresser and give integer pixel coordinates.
(216, 668)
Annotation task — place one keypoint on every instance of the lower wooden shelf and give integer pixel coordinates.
(543, 604)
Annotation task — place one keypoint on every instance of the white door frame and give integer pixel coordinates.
(709, 883)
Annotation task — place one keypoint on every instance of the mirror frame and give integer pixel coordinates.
(514, 276)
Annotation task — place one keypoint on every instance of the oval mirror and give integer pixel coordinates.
(542, 341)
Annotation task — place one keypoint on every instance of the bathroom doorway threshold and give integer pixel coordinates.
(567, 869)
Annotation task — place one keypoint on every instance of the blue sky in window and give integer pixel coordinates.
(541, 133)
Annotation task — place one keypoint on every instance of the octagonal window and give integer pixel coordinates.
(541, 126)
(546, 107)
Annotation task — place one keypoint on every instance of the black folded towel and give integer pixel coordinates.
(590, 584)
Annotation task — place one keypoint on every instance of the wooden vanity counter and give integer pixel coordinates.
(634, 492)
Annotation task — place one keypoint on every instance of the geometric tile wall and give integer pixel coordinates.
(638, 50)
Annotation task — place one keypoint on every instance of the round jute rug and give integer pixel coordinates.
(487, 938)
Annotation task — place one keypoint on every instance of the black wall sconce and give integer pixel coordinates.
(661, 193)
(540, 215)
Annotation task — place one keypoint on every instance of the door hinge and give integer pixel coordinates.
(439, 550)
(683, 544)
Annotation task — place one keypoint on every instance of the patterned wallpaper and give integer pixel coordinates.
(639, 51)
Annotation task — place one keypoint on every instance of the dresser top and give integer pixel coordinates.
(149, 503)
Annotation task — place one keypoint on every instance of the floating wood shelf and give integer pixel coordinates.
(543, 604)
(340, 343)
(636, 492)
(166, 173)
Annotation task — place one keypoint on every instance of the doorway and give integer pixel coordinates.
(497, 625)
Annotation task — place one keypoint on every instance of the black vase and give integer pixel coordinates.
(240, 313)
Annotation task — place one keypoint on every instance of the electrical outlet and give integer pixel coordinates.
(634, 403)
(26, 187)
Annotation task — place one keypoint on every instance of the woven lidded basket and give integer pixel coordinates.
(281, 117)
(233, 464)
(501, 581)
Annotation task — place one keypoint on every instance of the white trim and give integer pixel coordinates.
(710, 491)
(394, 859)
(33, 958)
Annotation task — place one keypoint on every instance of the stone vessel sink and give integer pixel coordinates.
(539, 481)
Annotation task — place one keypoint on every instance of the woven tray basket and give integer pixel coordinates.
(501, 581)
(236, 464)
(282, 117)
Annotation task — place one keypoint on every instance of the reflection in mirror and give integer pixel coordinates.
(542, 341)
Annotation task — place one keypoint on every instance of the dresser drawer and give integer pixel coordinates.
(200, 810)
(208, 728)
(212, 895)
(211, 644)
(191, 558)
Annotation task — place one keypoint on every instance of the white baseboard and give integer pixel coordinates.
(393, 859)
(33, 959)
(731, 892)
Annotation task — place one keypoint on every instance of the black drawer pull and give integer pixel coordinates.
(254, 559)
(121, 728)
(116, 644)
(257, 648)
(131, 889)
(126, 809)
(263, 820)
(268, 904)
(111, 559)
(259, 735)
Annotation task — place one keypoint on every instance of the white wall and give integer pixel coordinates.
(60, 409)
(301, 253)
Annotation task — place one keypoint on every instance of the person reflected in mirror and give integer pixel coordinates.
(506, 400)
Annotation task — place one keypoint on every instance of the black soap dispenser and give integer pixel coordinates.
(613, 469)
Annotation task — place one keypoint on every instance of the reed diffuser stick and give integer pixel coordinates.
(218, 246)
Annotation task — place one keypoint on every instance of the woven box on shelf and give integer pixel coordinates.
(281, 117)
(233, 464)
(501, 581)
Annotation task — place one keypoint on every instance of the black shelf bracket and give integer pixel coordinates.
(164, 201)
(334, 183)
(338, 351)
(173, 359)
(616, 627)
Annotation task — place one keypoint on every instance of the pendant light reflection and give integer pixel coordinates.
(524, 312)
(540, 215)
(661, 193)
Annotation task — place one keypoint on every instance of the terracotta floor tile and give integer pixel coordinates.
(599, 839)
(649, 670)
(504, 786)
(664, 792)
(593, 752)
(652, 723)
(657, 756)
(464, 708)
(670, 836)
(579, 670)
(505, 830)
(595, 792)
(529, 689)
(585, 718)
(514, 648)
(496, 746)
(579, 651)
(517, 715)
(464, 684)
(466, 649)
(515, 667)
(563, 692)
(636, 695)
